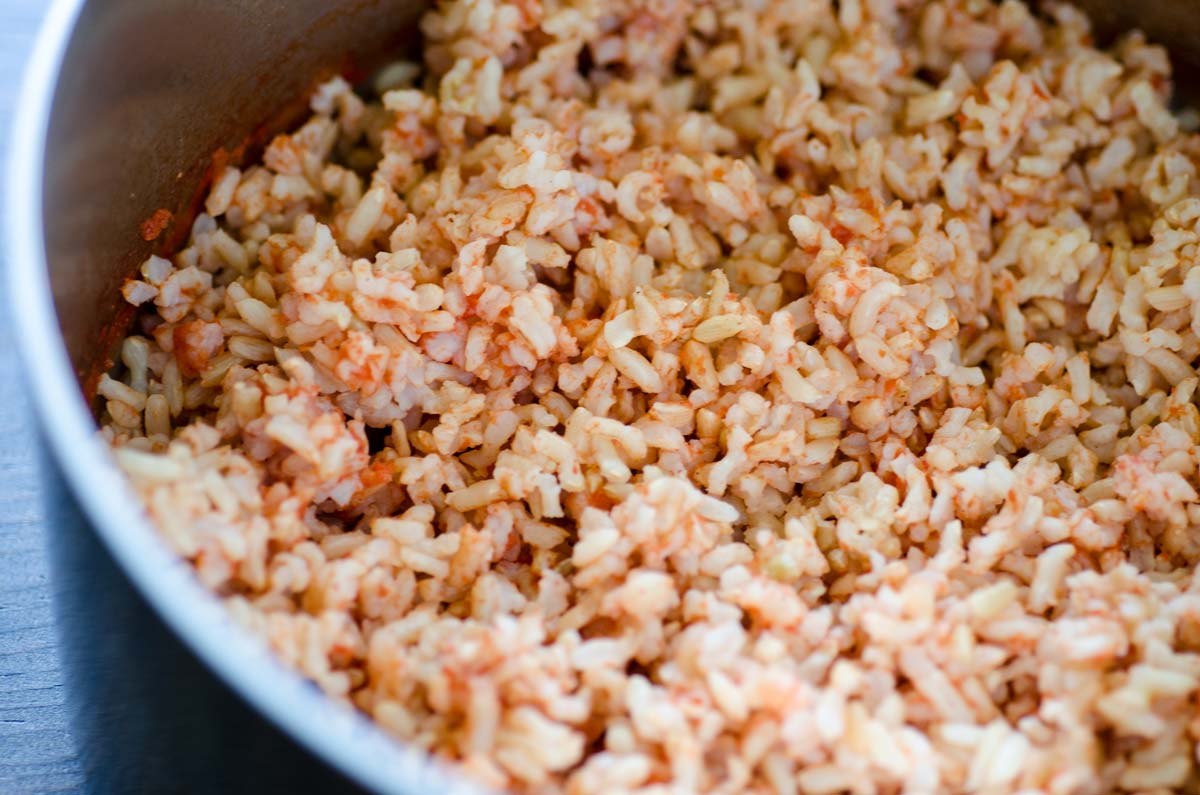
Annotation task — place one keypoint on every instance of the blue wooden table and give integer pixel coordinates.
(36, 753)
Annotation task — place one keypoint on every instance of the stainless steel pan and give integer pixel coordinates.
(124, 104)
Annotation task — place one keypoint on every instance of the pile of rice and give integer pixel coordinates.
(658, 396)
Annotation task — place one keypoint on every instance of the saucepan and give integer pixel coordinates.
(127, 106)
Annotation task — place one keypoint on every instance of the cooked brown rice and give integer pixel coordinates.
(787, 396)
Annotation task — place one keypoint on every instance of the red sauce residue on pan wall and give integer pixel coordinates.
(153, 226)
(110, 336)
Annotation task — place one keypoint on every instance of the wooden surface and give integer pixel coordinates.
(36, 754)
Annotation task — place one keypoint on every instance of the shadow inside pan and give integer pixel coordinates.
(1175, 24)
